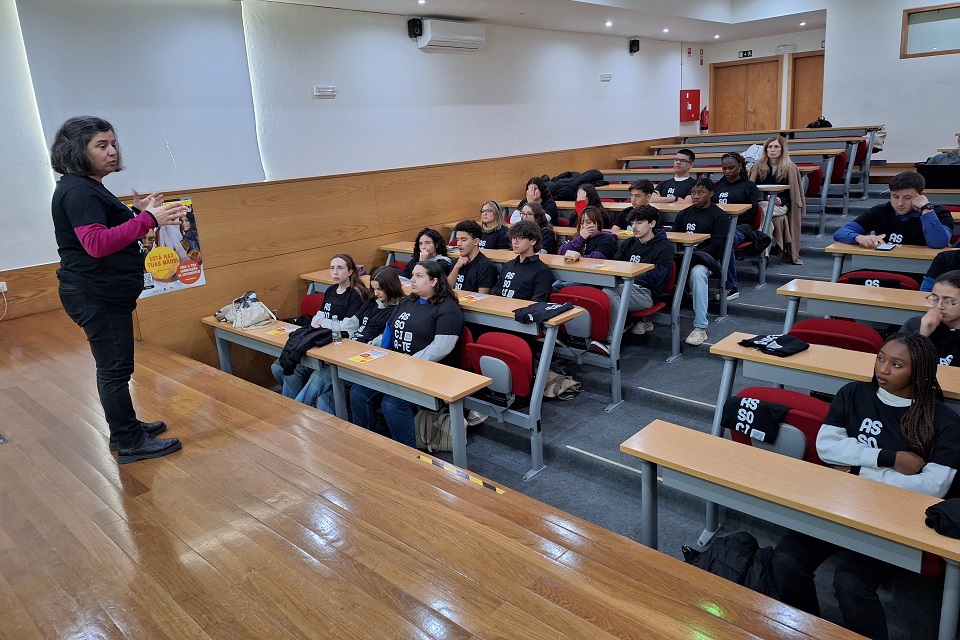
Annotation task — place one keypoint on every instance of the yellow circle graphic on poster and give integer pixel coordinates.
(162, 262)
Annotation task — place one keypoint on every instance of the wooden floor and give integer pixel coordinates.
(279, 521)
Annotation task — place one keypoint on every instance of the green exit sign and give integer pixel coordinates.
(746, 54)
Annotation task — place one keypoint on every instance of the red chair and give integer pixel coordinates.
(906, 282)
(806, 415)
(398, 265)
(953, 209)
(814, 181)
(844, 334)
(668, 288)
(595, 324)
(466, 338)
(504, 358)
(310, 304)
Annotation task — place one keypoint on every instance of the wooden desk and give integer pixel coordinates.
(893, 306)
(798, 134)
(943, 196)
(510, 206)
(876, 519)
(905, 258)
(604, 273)
(419, 381)
(654, 175)
(498, 313)
(946, 149)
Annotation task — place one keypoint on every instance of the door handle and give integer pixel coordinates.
(751, 111)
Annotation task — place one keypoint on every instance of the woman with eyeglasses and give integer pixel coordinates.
(494, 230)
(942, 322)
(548, 237)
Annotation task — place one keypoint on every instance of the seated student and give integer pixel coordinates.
(429, 245)
(538, 191)
(427, 325)
(649, 245)
(942, 322)
(909, 218)
(587, 196)
(548, 237)
(525, 277)
(371, 318)
(947, 157)
(677, 188)
(494, 230)
(911, 440)
(341, 299)
(591, 240)
(945, 261)
(472, 271)
(702, 217)
(735, 188)
(774, 166)
(640, 192)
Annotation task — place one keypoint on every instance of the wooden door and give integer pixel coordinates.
(745, 96)
(806, 88)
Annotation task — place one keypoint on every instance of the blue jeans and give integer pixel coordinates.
(318, 391)
(701, 292)
(292, 384)
(109, 330)
(399, 413)
(738, 237)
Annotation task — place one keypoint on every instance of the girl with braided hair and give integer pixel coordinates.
(894, 430)
(735, 188)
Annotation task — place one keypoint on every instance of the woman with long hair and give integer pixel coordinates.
(426, 324)
(537, 191)
(494, 229)
(548, 237)
(429, 245)
(775, 167)
(893, 429)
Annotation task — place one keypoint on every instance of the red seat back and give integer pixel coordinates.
(512, 350)
(310, 304)
(833, 332)
(906, 282)
(594, 301)
(839, 168)
(814, 181)
(806, 414)
(466, 337)
(861, 152)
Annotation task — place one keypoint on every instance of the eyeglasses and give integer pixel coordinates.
(684, 160)
(487, 211)
(526, 214)
(936, 301)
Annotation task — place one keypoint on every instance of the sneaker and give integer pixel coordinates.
(603, 348)
(641, 328)
(732, 294)
(152, 429)
(473, 418)
(150, 448)
(697, 337)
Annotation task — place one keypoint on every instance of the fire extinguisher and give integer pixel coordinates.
(704, 119)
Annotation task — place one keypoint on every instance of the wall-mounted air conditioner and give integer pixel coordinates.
(445, 35)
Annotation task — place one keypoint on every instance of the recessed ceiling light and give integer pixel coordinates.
(716, 36)
(803, 24)
(609, 24)
(666, 30)
(421, 1)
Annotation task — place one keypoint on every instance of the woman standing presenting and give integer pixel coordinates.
(101, 271)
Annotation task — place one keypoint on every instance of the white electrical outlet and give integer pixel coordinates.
(3, 287)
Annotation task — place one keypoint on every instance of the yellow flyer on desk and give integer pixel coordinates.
(279, 331)
(599, 266)
(470, 297)
(367, 356)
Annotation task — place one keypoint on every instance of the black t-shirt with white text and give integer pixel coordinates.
(343, 305)
(677, 188)
(499, 239)
(416, 322)
(883, 219)
(742, 191)
(476, 274)
(527, 280)
(944, 339)
(373, 319)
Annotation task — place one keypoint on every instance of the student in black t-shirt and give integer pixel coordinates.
(677, 188)
(942, 322)
(494, 230)
(537, 191)
(735, 188)
(341, 299)
(426, 324)
(429, 245)
(526, 277)
(892, 430)
(948, 260)
(101, 271)
(548, 237)
(640, 193)
(370, 319)
(472, 271)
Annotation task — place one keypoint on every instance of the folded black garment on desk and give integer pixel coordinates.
(944, 517)
(782, 345)
(540, 311)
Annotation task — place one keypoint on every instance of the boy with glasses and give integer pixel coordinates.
(677, 188)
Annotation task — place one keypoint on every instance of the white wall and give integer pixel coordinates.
(170, 76)
(26, 230)
(866, 81)
(526, 91)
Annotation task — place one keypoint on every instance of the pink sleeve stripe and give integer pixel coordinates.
(99, 241)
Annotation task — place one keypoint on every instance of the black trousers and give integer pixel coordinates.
(855, 582)
(109, 330)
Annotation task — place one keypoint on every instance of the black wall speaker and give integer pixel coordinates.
(415, 28)
(634, 46)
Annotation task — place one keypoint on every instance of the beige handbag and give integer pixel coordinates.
(246, 312)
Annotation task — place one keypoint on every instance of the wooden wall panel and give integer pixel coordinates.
(263, 236)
